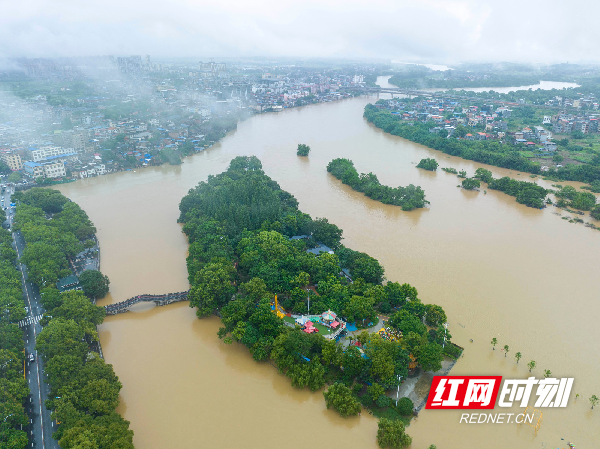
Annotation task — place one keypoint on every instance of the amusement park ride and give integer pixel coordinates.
(278, 310)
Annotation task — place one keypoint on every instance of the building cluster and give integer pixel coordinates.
(588, 101)
(134, 112)
(276, 92)
(489, 122)
(533, 138)
(449, 114)
(564, 123)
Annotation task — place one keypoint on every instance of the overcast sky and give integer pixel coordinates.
(410, 31)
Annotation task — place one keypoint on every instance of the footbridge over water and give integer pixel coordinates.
(159, 300)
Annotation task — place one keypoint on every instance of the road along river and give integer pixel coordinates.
(498, 268)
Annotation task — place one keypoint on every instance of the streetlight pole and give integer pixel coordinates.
(445, 332)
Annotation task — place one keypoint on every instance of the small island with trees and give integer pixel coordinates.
(428, 164)
(302, 150)
(267, 267)
(408, 198)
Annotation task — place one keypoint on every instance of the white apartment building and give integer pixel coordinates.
(54, 170)
(44, 152)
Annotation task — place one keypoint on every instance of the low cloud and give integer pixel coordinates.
(428, 30)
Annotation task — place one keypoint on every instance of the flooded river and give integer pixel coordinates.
(498, 268)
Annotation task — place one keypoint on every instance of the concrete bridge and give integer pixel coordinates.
(159, 300)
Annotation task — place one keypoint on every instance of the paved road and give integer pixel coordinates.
(42, 426)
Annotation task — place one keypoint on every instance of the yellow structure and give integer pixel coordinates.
(278, 310)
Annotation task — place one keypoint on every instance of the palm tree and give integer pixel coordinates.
(594, 401)
(531, 365)
(518, 355)
(547, 373)
(494, 343)
(506, 349)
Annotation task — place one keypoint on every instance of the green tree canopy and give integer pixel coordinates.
(392, 434)
(340, 397)
(95, 284)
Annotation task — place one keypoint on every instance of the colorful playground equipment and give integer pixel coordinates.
(390, 334)
(332, 324)
(278, 309)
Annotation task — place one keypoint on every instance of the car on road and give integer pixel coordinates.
(31, 357)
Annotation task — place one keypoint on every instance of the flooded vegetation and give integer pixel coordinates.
(498, 268)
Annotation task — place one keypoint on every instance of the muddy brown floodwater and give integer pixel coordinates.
(498, 268)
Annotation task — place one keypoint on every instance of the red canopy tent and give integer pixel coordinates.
(309, 328)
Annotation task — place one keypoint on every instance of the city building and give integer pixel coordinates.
(54, 170)
(13, 161)
(38, 154)
(33, 169)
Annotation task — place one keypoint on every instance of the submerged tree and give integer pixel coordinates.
(303, 150)
(470, 184)
(428, 164)
(392, 434)
(340, 397)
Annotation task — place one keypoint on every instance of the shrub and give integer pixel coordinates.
(405, 406)
(383, 401)
(340, 397)
(452, 351)
(391, 433)
(470, 184)
(583, 201)
(594, 187)
(428, 164)
(484, 175)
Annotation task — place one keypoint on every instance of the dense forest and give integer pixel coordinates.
(85, 389)
(239, 225)
(487, 152)
(408, 198)
(13, 386)
(50, 242)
